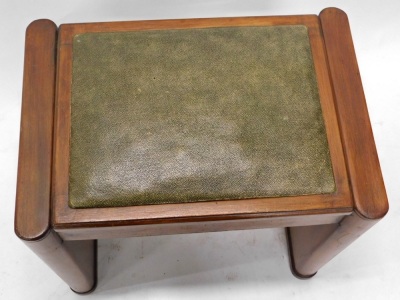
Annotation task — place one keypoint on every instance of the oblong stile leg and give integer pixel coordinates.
(74, 261)
(312, 247)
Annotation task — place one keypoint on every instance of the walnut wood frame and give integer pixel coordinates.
(319, 226)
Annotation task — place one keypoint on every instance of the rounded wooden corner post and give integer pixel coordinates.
(313, 246)
(74, 261)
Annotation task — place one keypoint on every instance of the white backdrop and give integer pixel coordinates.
(234, 265)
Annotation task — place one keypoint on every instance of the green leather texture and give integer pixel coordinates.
(170, 116)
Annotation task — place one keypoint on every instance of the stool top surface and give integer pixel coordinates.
(171, 116)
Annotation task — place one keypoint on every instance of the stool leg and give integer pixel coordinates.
(74, 261)
(311, 247)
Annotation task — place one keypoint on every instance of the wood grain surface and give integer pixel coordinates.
(32, 213)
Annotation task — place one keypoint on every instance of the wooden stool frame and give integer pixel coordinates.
(318, 226)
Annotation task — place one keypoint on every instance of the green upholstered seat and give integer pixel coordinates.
(169, 116)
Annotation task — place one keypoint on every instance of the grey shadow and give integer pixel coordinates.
(189, 260)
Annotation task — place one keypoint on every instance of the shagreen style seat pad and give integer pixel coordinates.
(168, 116)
